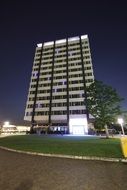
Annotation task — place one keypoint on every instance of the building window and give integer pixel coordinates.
(59, 112)
(88, 68)
(28, 113)
(76, 112)
(39, 113)
(76, 103)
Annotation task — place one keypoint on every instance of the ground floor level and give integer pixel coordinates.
(75, 126)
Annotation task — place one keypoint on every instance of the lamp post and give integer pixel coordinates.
(120, 121)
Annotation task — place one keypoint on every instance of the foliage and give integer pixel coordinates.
(124, 116)
(103, 103)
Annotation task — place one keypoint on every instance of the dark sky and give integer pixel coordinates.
(23, 24)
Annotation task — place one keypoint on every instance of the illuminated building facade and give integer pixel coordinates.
(57, 97)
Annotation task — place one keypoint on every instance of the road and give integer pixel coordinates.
(29, 172)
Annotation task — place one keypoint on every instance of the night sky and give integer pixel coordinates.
(23, 24)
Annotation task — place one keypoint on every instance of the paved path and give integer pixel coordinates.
(28, 172)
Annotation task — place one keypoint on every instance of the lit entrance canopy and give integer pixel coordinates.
(78, 126)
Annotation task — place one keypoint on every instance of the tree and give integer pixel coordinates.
(124, 115)
(103, 103)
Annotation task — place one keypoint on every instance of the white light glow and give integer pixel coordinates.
(73, 39)
(48, 43)
(120, 121)
(84, 37)
(78, 126)
(39, 45)
(6, 123)
(60, 41)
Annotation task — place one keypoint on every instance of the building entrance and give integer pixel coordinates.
(78, 126)
(78, 130)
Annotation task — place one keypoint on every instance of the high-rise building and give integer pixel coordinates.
(57, 94)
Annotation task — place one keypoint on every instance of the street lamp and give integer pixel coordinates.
(120, 121)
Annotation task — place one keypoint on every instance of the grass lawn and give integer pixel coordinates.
(69, 145)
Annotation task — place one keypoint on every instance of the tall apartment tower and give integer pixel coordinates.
(57, 94)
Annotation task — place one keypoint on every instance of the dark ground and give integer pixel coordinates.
(28, 172)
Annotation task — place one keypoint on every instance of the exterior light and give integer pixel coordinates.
(73, 39)
(6, 124)
(60, 41)
(121, 121)
(39, 45)
(84, 37)
(48, 43)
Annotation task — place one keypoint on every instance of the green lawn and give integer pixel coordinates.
(68, 145)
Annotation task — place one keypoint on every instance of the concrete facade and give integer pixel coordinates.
(57, 97)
